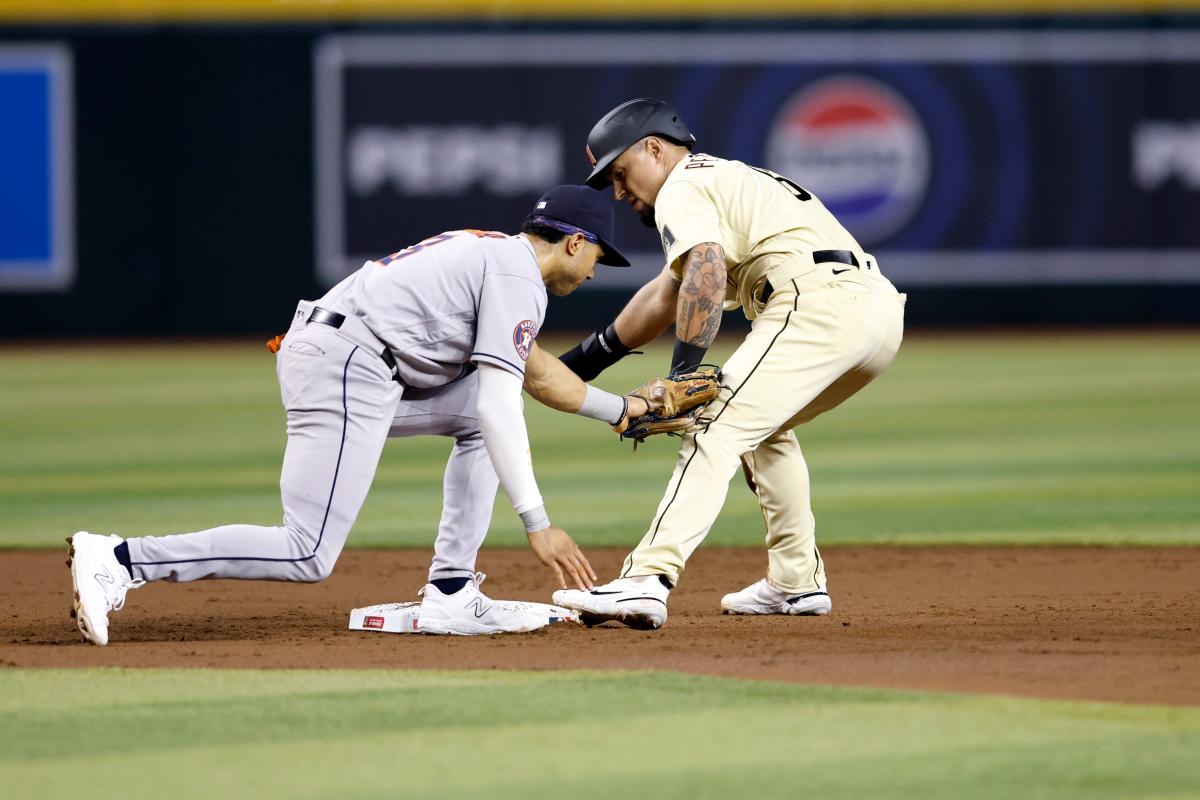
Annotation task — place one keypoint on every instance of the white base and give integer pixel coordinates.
(386, 618)
(406, 617)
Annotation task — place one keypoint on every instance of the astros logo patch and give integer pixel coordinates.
(523, 336)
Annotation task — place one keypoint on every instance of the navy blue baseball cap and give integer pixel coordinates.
(580, 209)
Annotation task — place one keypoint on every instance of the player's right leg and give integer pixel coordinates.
(340, 402)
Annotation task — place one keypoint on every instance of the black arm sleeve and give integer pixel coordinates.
(686, 357)
(596, 353)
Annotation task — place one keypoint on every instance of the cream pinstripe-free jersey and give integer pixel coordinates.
(760, 219)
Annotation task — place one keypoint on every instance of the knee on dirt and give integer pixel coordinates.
(314, 570)
(315, 567)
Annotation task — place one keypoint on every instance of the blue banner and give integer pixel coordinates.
(36, 174)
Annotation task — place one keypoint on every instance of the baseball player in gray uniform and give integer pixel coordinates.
(436, 339)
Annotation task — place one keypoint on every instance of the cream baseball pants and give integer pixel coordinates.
(819, 339)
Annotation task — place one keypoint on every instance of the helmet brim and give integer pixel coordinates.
(599, 178)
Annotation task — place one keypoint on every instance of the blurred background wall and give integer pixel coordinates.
(195, 167)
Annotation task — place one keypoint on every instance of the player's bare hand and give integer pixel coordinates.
(557, 550)
(637, 408)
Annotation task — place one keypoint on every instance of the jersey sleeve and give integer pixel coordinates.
(502, 422)
(511, 309)
(686, 217)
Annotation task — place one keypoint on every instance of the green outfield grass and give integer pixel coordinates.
(297, 734)
(1029, 439)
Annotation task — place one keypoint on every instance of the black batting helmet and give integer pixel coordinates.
(627, 124)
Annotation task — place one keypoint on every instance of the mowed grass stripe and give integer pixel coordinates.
(1069, 438)
(205, 733)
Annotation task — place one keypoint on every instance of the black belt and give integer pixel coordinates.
(838, 256)
(335, 320)
(819, 257)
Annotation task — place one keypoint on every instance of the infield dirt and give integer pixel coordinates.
(1114, 624)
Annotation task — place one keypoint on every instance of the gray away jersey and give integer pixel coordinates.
(455, 299)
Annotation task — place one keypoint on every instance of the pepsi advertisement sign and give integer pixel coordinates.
(957, 158)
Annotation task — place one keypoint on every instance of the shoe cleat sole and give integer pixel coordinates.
(632, 619)
(788, 611)
(80, 622)
(753, 611)
(816, 612)
(76, 610)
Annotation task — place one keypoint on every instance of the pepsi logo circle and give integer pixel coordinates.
(858, 146)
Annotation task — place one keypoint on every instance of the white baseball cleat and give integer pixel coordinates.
(763, 598)
(639, 602)
(469, 612)
(100, 583)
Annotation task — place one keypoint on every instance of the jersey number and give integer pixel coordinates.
(796, 191)
(432, 240)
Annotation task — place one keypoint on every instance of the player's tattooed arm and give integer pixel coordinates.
(650, 312)
(701, 295)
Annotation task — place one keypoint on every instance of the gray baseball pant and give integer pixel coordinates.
(342, 405)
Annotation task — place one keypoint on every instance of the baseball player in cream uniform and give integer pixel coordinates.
(825, 322)
(436, 339)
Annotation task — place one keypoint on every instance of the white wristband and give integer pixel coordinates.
(535, 519)
(604, 406)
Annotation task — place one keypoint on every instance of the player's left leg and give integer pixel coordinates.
(468, 496)
(469, 484)
(795, 582)
(452, 602)
(779, 477)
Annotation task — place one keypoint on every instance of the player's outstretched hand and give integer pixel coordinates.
(637, 408)
(558, 551)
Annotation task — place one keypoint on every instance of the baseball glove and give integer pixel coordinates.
(675, 403)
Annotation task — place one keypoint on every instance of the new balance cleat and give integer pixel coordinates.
(469, 612)
(100, 583)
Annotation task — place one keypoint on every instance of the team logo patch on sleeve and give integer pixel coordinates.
(668, 239)
(523, 336)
